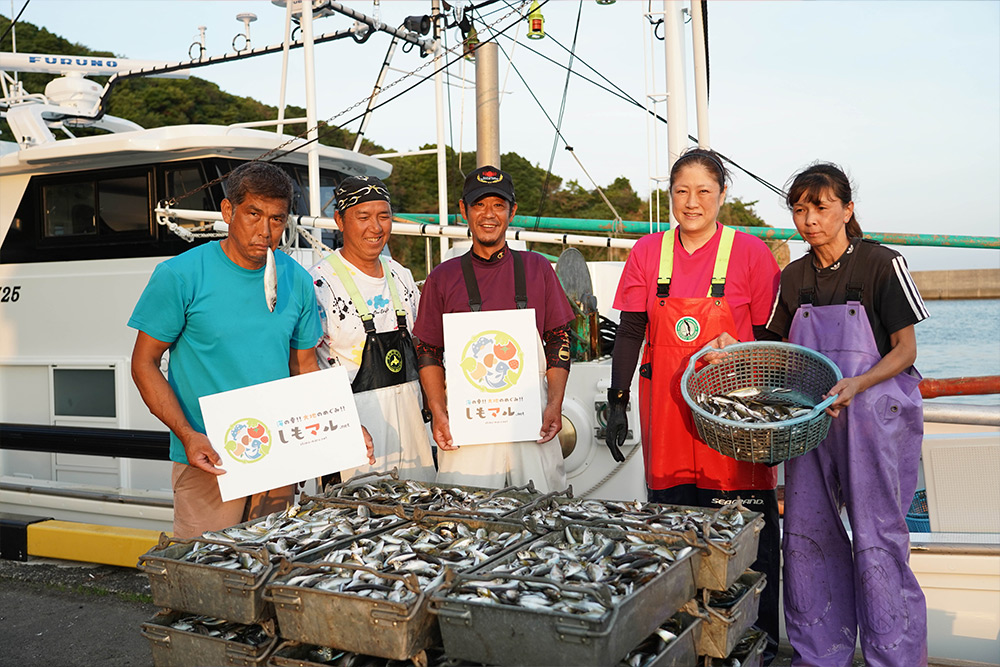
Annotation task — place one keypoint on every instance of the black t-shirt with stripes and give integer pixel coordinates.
(890, 298)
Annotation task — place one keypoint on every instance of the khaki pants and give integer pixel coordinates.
(198, 506)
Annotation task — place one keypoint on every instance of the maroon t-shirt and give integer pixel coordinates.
(444, 292)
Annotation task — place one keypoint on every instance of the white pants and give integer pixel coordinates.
(503, 464)
(392, 417)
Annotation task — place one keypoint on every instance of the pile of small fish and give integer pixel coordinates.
(755, 406)
(720, 525)
(429, 498)
(379, 565)
(283, 535)
(654, 645)
(586, 572)
(253, 635)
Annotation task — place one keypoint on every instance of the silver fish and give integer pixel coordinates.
(270, 281)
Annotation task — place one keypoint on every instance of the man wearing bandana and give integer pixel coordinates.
(489, 277)
(209, 306)
(367, 305)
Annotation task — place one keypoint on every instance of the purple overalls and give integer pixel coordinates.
(868, 462)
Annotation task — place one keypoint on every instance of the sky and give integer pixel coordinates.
(904, 95)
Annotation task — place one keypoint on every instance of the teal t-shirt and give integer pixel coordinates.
(221, 334)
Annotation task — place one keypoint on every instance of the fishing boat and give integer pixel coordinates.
(83, 221)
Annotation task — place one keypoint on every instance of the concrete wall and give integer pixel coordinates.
(958, 284)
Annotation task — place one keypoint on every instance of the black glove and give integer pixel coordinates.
(617, 429)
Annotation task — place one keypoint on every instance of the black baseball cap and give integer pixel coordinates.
(485, 181)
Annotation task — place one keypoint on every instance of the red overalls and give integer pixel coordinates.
(678, 327)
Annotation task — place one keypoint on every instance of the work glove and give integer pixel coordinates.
(617, 428)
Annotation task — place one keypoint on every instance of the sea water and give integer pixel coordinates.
(961, 338)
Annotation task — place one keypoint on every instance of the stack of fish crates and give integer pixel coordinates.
(213, 588)
(212, 614)
(485, 577)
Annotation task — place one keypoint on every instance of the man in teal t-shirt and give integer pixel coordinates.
(208, 307)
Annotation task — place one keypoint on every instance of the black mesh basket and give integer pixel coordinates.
(803, 374)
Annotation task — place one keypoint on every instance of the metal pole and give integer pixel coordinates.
(315, 205)
(700, 72)
(442, 167)
(673, 42)
(280, 128)
(487, 105)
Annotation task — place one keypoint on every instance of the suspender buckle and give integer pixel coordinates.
(663, 290)
(718, 288)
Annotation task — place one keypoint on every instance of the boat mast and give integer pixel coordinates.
(442, 167)
(673, 42)
(315, 203)
(700, 71)
(487, 105)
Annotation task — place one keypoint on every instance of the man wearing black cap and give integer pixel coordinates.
(490, 277)
(367, 305)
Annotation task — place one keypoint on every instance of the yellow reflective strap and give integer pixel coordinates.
(722, 257)
(666, 258)
(338, 266)
(397, 305)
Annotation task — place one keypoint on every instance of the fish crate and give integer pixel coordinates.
(726, 621)
(748, 652)
(173, 647)
(236, 594)
(206, 589)
(386, 493)
(505, 634)
(724, 557)
(397, 629)
(681, 651)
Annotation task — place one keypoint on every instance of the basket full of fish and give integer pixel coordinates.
(579, 596)
(179, 639)
(370, 596)
(222, 573)
(386, 492)
(763, 402)
(728, 535)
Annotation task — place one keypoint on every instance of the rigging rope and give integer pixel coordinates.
(555, 127)
(14, 22)
(321, 133)
(562, 110)
(631, 100)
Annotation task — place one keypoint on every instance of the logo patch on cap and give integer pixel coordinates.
(489, 177)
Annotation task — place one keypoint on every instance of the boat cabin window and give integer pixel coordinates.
(69, 209)
(96, 206)
(187, 179)
(328, 182)
(84, 392)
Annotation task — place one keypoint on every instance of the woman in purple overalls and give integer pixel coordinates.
(855, 302)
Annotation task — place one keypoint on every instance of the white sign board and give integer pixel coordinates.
(282, 432)
(492, 370)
